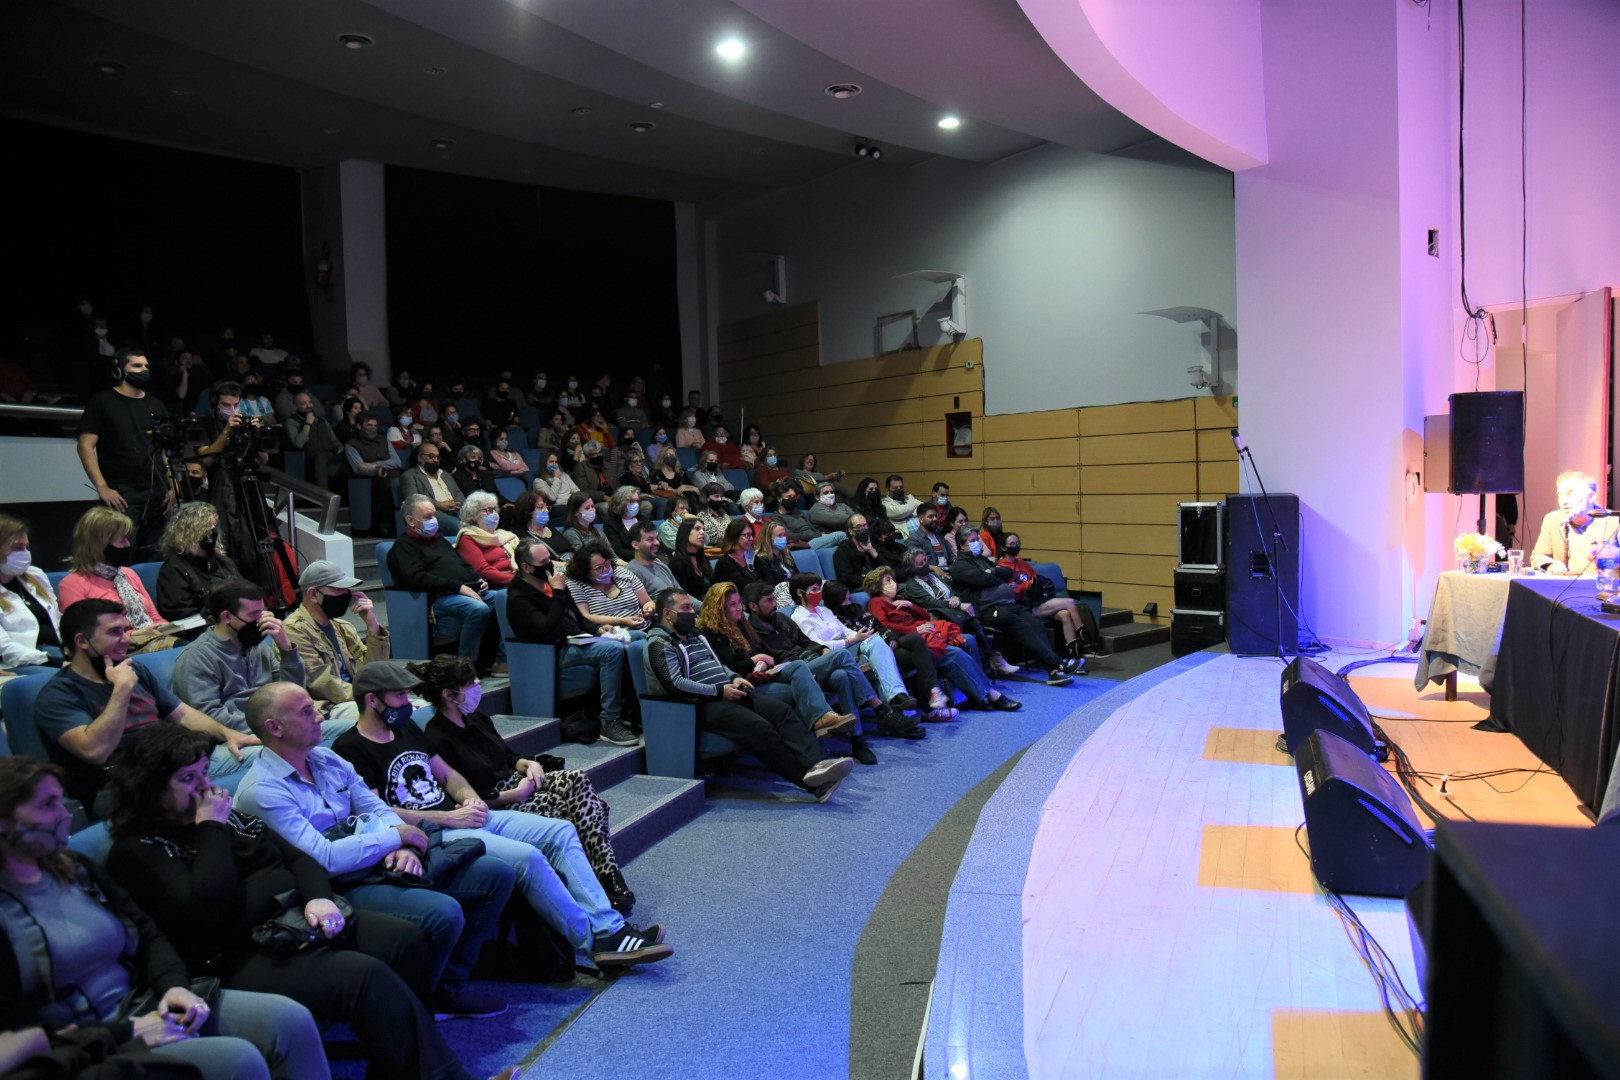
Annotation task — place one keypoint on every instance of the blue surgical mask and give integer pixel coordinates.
(492, 519)
(660, 437)
(779, 542)
(430, 527)
(976, 547)
(551, 466)
(542, 518)
(770, 459)
(632, 509)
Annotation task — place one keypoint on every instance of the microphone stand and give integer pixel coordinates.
(1277, 542)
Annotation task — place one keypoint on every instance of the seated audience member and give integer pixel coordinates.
(634, 471)
(664, 414)
(607, 595)
(900, 507)
(715, 513)
(472, 434)
(742, 562)
(960, 663)
(254, 402)
(689, 561)
(505, 461)
(689, 436)
(348, 419)
(314, 799)
(890, 545)
(681, 664)
(1080, 634)
(540, 608)
(624, 513)
(941, 497)
(667, 478)
(930, 588)
(424, 561)
(869, 500)
(428, 479)
(930, 537)
(328, 643)
(102, 952)
(709, 471)
(955, 518)
(28, 611)
(645, 545)
(286, 399)
(592, 473)
(370, 455)
(552, 871)
(554, 436)
(679, 509)
(990, 532)
(788, 680)
(829, 514)
(554, 482)
(773, 633)
(482, 543)
(498, 409)
(580, 526)
(467, 741)
(424, 404)
(803, 532)
(822, 626)
(194, 561)
(405, 435)
(1571, 535)
(856, 556)
(209, 874)
(726, 452)
(537, 395)
(752, 448)
(307, 430)
(472, 471)
(360, 375)
(809, 478)
(658, 441)
(531, 518)
(595, 429)
(87, 711)
(102, 556)
(752, 501)
(985, 585)
(632, 412)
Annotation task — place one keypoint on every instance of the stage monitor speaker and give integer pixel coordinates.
(1262, 553)
(1365, 840)
(1487, 442)
(1315, 698)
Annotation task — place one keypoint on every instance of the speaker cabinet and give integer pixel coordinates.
(1365, 840)
(1194, 630)
(1202, 533)
(1200, 590)
(1262, 555)
(1315, 698)
(1487, 442)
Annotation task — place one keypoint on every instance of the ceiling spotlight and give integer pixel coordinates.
(641, 127)
(949, 123)
(869, 150)
(731, 49)
(107, 67)
(842, 91)
(443, 144)
(356, 41)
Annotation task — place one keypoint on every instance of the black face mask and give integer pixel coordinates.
(336, 606)
(685, 623)
(861, 534)
(120, 556)
(207, 543)
(1012, 550)
(249, 636)
(430, 467)
(140, 380)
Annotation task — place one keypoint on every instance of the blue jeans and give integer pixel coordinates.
(553, 872)
(456, 921)
(964, 669)
(795, 685)
(251, 1035)
(832, 539)
(876, 652)
(841, 676)
(469, 618)
(599, 663)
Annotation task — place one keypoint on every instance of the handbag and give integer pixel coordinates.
(1040, 591)
(441, 861)
(939, 635)
(288, 932)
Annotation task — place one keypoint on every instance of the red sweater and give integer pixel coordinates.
(491, 562)
(902, 620)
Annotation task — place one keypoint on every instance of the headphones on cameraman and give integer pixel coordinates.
(220, 389)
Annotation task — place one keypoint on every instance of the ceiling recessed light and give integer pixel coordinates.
(655, 104)
(949, 123)
(443, 144)
(107, 67)
(842, 91)
(583, 110)
(731, 49)
(641, 127)
(433, 69)
(356, 41)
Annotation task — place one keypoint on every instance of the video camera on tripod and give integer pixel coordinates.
(244, 441)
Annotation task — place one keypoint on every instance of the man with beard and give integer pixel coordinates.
(371, 455)
(116, 448)
(431, 481)
(307, 430)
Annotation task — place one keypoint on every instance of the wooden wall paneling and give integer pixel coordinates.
(1131, 569)
(1136, 417)
(798, 315)
(1134, 509)
(1215, 444)
(1218, 479)
(1215, 412)
(1051, 424)
(1125, 479)
(1138, 449)
(1031, 481)
(1127, 539)
(1132, 597)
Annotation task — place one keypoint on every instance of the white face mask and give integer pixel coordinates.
(587, 516)
(757, 510)
(691, 421)
(101, 331)
(632, 509)
(405, 421)
(18, 562)
(829, 499)
(630, 402)
(976, 547)
(492, 519)
(430, 527)
(721, 439)
(573, 384)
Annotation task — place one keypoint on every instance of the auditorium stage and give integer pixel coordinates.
(1136, 903)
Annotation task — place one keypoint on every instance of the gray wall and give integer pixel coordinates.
(1060, 249)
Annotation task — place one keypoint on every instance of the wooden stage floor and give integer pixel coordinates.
(1172, 926)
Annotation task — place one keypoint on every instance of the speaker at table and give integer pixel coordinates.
(1365, 839)
(1314, 698)
(1487, 442)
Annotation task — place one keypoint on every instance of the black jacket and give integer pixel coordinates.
(692, 579)
(184, 581)
(534, 616)
(972, 576)
(781, 638)
(431, 566)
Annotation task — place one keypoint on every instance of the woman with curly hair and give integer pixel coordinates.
(608, 595)
(467, 741)
(194, 560)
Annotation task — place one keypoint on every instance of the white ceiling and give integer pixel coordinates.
(270, 81)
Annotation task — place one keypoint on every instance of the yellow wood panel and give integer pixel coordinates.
(937, 358)
(1050, 424)
(1137, 416)
(827, 387)
(797, 315)
(1125, 479)
(1216, 445)
(1131, 539)
(791, 366)
(1135, 569)
(1132, 597)
(1030, 453)
(1319, 1044)
(1248, 746)
(1215, 412)
(1133, 509)
(876, 463)
(1260, 857)
(1029, 481)
(967, 486)
(1217, 479)
(1136, 449)
(1017, 509)
(1049, 536)
(792, 343)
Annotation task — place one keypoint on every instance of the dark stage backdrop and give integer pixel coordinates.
(485, 275)
(206, 241)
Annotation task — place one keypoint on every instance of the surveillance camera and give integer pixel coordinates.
(772, 297)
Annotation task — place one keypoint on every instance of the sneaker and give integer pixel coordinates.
(619, 734)
(835, 723)
(1074, 666)
(825, 791)
(937, 701)
(827, 770)
(470, 1004)
(631, 946)
(860, 751)
(1057, 677)
(1005, 704)
(902, 702)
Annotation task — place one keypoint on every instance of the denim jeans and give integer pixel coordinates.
(466, 617)
(796, 685)
(841, 676)
(599, 663)
(553, 872)
(963, 669)
(832, 539)
(251, 1035)
(876, 652)
(456, 921)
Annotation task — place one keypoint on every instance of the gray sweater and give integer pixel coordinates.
(216, 677)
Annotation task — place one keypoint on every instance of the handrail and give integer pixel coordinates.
(40, 412)
(288, 485)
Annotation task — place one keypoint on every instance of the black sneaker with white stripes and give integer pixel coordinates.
(630, 946)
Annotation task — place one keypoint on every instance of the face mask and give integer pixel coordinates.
(502, 444)
(208, 542)
(372, 433)
(492, 519)
(942, 500)
(18, 562)
(862, 534)
(587, 516)
(120, 556)
(829, 499)
(1012, 552)
(101, 331)
(663, 403)
(42, 841)
(757, 510)
(976, 547)
(542, 518)
(890, 588)
(395, 715)
(994, 525)
(471, 698)
(685, 623)
(430, 527)
(630, 402)
(770, 459)
(430, 467)
(573, 384)
(812, 600)
(250, 636)
(335, 606)
(691, 421)
(606, 576)
(551, 466)
(405, 421)
(539, 384)
(632, 509)
(721, 439)
(897, 494)
(140, 380)
(450, 416)
(660, 438)
(780, 543)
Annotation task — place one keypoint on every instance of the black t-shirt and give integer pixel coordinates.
(477, 751)
(123, 447)
(400, 771)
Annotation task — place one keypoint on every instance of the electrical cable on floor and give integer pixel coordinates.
(1408, 776)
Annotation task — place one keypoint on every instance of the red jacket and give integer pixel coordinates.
(1023, 574)
(729, 453)
(902, 620)
(490, 562)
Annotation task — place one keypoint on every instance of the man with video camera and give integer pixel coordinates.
(238, 445)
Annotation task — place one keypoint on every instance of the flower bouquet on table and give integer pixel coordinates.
(1476, 551)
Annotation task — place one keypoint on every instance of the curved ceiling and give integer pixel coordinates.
(546, 91)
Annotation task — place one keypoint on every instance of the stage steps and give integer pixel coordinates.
(1121, 631)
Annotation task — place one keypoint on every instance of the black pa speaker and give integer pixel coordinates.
(1487, 442)
(1365, 839)
(1262, 556)
(1314, 697)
